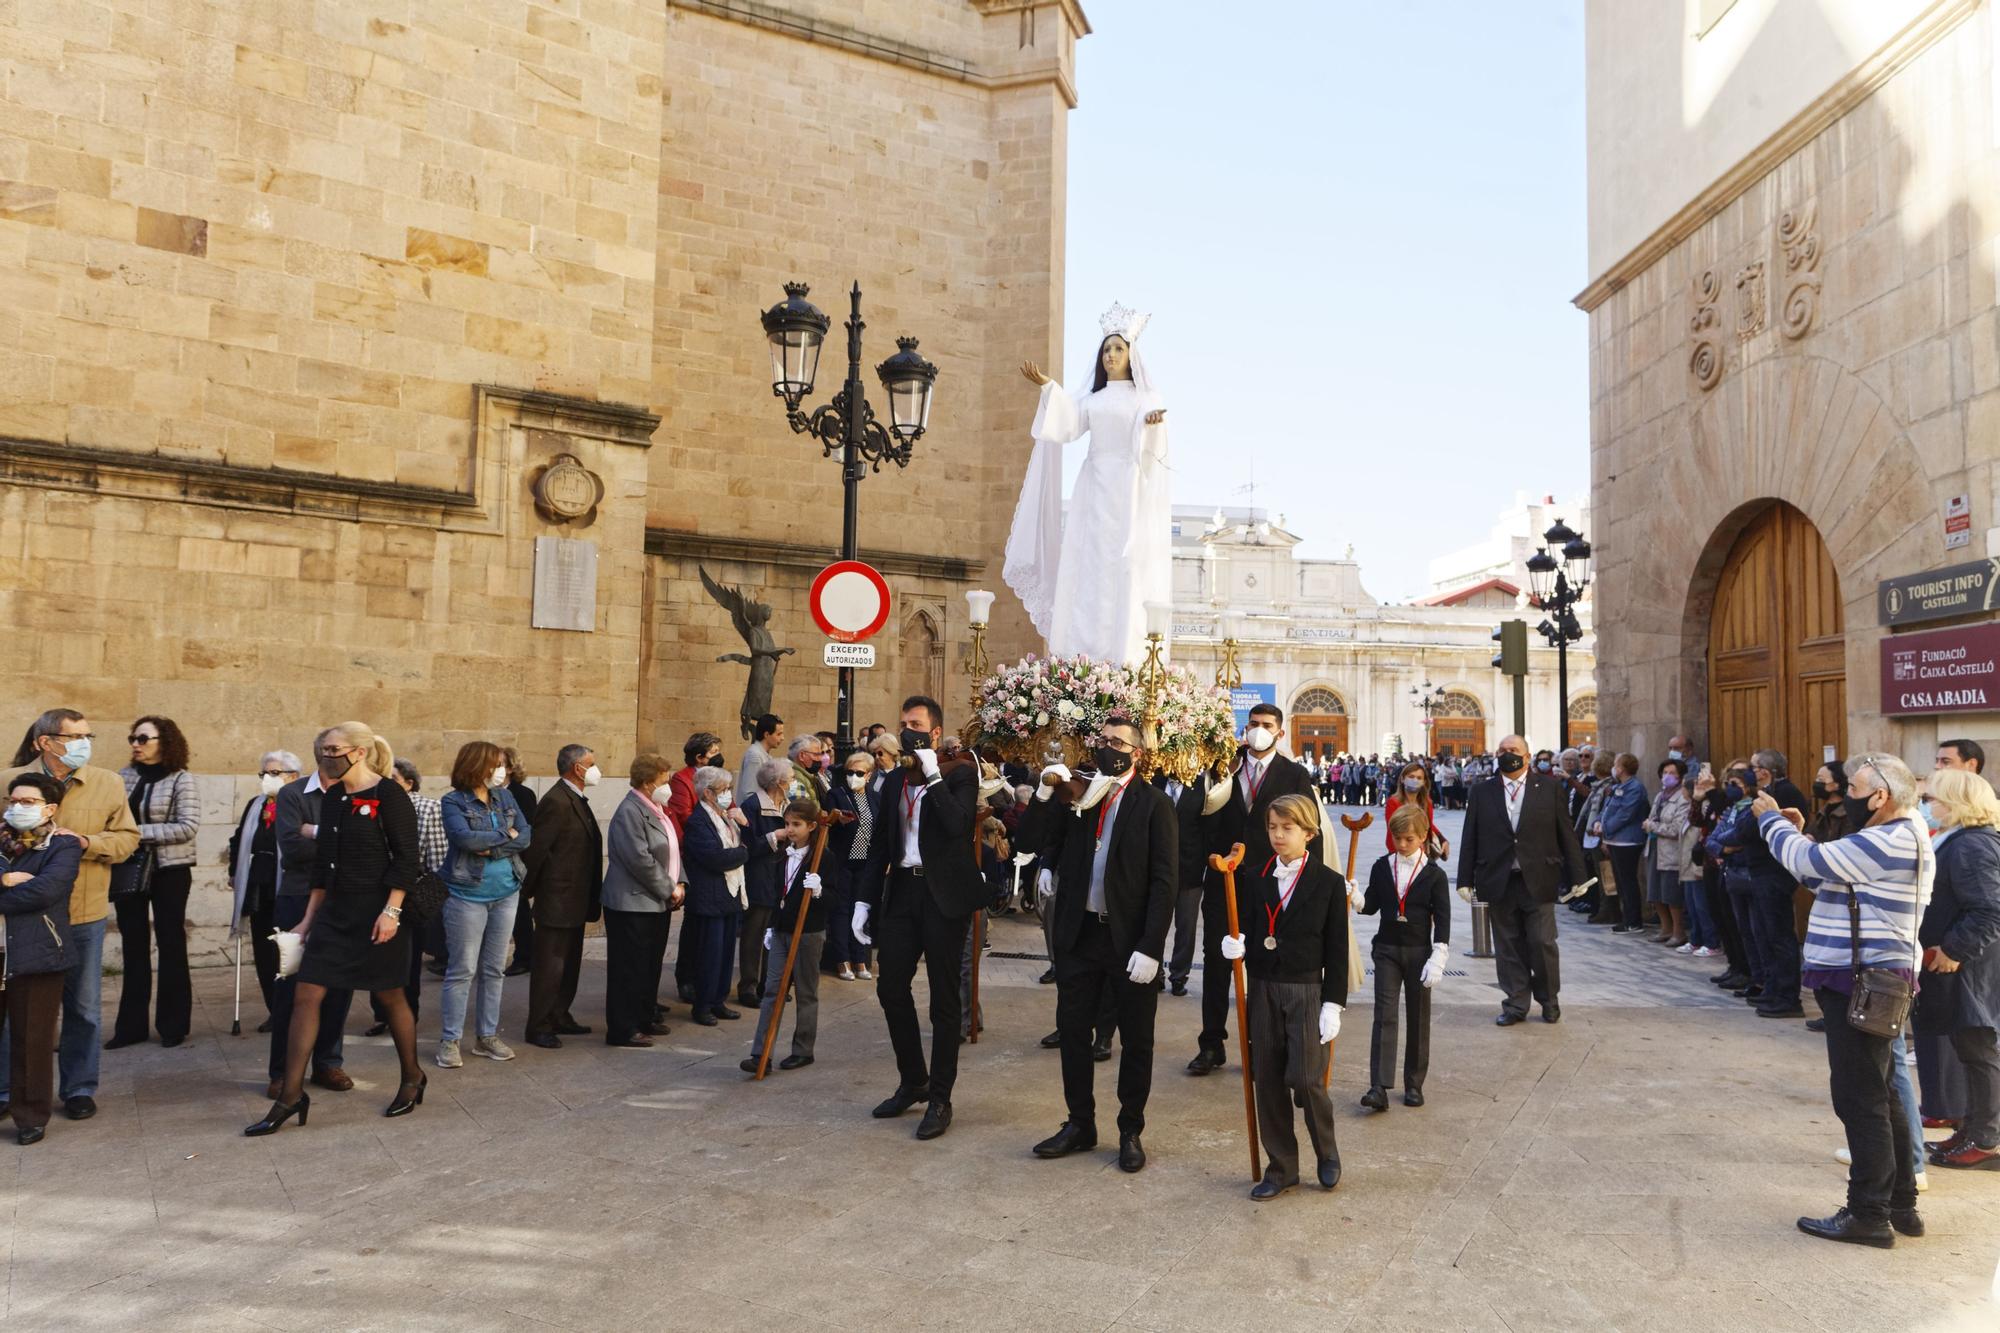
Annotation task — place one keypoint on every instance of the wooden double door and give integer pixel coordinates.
(1319, 735)
(1777, 648)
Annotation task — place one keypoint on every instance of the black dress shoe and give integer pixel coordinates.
(899, 1101)
(685, 992)
(572, 1030)
(655, 1029)
(747, 1000)
(375, 1029)
(548, 1041)
(1100, 1051)
(1752, 993)
(265, 1026)
(1047, 978)
(1907, 1221)
(1622, 929)
(1268, 1188)
(171, 1042)
(80, 1107)
(1329, 1172)
(937, 1119)
(1206, 1060)
(1815, 1025)
(1179, 986)
(516, 970)
(1552, 1013)
(1411, 1097)
(1072, 1137)
(1053, 1040)
(1506, 1020)
(1375, 1099)
(120, 1043)
(1845, 1226)
(1780, 1011)
(720, 1011)
(31, 1135)
(631, 1043)
(795, 1062)
(748, 1064)
(1131, 1153)
(703, 1017)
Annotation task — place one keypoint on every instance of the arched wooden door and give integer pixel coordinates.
(1458, 726)
(1777, 652)
(1319, 724)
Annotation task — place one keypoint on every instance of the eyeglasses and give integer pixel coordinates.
(74, 736)
(136, 739)
(1122, 746)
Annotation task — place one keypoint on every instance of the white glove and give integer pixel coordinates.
(291, 951)
(1142, 969)
(1329, 1022)
(1047, 789)
(770, 940)
(771, 838)
(1357, 896)
(861, 924)
(927, 761)
(1465, 892)
(812, 882)
(1232, 947)
(1434, 969)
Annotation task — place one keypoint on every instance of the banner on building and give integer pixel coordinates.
(1245, 697)
(1942, 671)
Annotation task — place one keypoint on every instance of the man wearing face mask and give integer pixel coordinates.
(1517, 853)
(1263, 774)
(565, 886)
(915, 902)
(93, 807)
(253, 868)
(1116, 850)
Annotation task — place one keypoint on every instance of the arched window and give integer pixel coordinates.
(1457, 703)
(1318, 700)
(1584, 706)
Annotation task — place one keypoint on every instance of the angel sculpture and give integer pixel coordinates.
(750, 617)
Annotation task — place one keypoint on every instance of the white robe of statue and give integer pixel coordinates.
(1085, 577)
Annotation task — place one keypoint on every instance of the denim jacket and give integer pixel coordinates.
(1624, 813)
(468, 828)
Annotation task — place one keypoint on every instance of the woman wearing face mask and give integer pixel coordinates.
(848, 845)
(764, 873)
(1664, 829)
(643, 884)
(1620, 829)
(486, 833)
(167, 808)
(253, 869)
(1413, 787)
(714, 857)
(37, 873)
(1603, 895)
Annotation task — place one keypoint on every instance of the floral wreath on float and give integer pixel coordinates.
(1046, 710)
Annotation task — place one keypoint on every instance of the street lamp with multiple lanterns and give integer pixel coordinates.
(1429, 699)
(847, 427)
(1557, 576)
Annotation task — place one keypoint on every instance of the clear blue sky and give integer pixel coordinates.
(1357, 227)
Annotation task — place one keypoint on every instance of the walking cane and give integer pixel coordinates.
(236, 1017)
(826, 821)
(1353, 827)
(1227, 865)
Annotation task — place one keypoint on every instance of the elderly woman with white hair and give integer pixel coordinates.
(713, 855)
(253, 869)
(1870, 889)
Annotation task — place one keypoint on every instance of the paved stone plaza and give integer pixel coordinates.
(1637, 1166)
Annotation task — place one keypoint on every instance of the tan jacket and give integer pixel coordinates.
(95, 807)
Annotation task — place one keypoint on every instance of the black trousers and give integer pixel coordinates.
(1399, 978)
(912, 928)
(687, 977)
(1631, 882)
(1981, 1059)
(1187, 917)
(264, 949)
(1215, 969)
(524, 933)
(635, 950)
(166, 905)
(1524, 947)
(750, 955)
(1085, 974)
(1723, 913)
(1743, 915)
(286, 913)
(1882, 1175)
(552, 976)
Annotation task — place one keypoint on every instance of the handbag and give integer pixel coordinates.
(133, 877)
(424, 902)
(1880, 1005)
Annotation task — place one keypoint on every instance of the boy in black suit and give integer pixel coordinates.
(1116, 848)
(1294, 946)
(803, 889)
(1412, 895)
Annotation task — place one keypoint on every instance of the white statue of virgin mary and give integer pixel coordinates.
(1086, 576)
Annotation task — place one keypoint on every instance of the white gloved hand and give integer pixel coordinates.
(927, 761)
(1465, 892)
(1232, 947)
(1357, 895)
(1047, 789)
(770, 940)
(1142, 969)
(861, 924)
(1329, 1022)
(1434, 969)
(812, 882)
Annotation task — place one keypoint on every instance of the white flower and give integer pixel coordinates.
(1042, 718)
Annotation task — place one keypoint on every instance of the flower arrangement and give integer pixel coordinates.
(1040, 706)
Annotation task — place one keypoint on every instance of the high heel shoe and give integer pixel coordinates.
(274, 1119)
(405, 1102)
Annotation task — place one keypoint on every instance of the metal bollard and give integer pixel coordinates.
(1482, 933)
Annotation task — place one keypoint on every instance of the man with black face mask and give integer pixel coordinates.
(1116, 849)
(1517, 853)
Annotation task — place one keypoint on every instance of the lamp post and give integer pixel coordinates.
(1429, 699)
(1558, 585)
(1153, 671)
(847, 427)
(978, 612)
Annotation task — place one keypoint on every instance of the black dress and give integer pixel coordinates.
(367, 845)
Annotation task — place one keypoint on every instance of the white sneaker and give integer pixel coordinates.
(1687, 949)
(448, 1056)
(494, 1049)
(1923, 1181)
(1844, 1157)
(1704, 952)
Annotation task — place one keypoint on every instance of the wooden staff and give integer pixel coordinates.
(1353, 827)
(827, 819)
(1227, 865)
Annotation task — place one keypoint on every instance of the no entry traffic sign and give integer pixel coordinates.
(849, 601)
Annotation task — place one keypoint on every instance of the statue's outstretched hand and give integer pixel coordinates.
(1156, 416)
(1033, 373)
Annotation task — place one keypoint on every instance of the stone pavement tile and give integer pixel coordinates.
(1635, 1301)
(1085, 1287)
(1217, 1300)
(1410, 1299)
(1852, 1293)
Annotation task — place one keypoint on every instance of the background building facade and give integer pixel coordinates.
(1795, 373)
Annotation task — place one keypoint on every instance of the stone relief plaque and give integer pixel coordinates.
(565, 584)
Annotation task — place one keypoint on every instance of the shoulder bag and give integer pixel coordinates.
(133, 877)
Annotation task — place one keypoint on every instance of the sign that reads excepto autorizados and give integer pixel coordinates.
(850, 655)
(849, 601)
(1935, 594)
(1942, 671)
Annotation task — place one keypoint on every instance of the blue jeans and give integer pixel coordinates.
(476, 937)
(1899, 1075)
(1702, 932)
(82, 1007)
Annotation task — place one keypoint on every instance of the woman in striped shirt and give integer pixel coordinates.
(1884, 868)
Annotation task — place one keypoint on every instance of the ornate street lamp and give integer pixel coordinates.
(1558, 586)
(1229, 673)
(978, 614)
(1429, 699)
(846, 427)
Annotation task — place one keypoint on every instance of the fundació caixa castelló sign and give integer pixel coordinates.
(1942, 671)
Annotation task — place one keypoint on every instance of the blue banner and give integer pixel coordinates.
(1245, 697)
